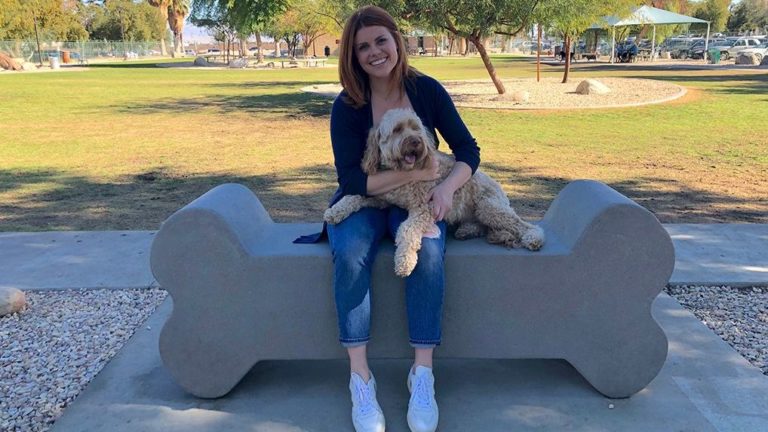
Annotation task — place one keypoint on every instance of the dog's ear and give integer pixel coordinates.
(429, 142)
(372, 156)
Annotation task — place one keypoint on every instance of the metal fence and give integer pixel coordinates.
(82, 51)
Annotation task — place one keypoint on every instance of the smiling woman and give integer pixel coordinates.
(376, 78)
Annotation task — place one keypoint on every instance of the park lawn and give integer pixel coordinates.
(122, 146)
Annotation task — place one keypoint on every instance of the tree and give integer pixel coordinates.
(286, 28)
(177, 12)
(243, 17)
(473, 20)
(714, 11)
(123, 20)
(570, 18)
(162, 6)
(749, 15)
(55, 20)
(311, 24)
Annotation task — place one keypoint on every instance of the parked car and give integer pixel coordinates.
(760, 51)
(696, 51)
(189, 52)
(742, 44)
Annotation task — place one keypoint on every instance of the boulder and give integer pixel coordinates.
(7, 63)
(521, 96)
(12, 300)
(238, 63)
(27, 66)
(764, 61)
(747, 59)
(201, 61)
(666, 55)
(592, 86)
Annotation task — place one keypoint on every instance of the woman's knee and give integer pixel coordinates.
(431, 255)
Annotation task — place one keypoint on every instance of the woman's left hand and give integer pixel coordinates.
(441, 197)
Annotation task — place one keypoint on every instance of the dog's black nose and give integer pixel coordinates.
(412, 143)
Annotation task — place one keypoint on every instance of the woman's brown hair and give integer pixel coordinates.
(352, 76)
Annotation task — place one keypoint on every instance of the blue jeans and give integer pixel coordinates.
(354, 244)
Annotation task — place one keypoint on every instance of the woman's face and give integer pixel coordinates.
(376, 51)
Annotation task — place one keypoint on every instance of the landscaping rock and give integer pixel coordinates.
(238, 63)
(7, 63)
(27, 66)
(592, 86)
(201, 61)
(521, 96)
(764, 62)
(12, 300)
(747, 59)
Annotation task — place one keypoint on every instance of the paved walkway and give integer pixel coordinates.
(704, 385)
(713, 254)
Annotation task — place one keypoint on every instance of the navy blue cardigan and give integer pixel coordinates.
(350, 127)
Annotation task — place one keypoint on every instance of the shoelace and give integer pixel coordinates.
(422, 393)
(364, 399)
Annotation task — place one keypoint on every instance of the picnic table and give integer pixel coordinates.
(309, 62)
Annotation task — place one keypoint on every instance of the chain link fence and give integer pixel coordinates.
(82, 51)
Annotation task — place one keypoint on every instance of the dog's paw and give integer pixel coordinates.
(404, 264)
(533, 239)
(333, 216)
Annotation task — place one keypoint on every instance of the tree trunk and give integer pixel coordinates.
(567, 58)
(164, 14)
(538, 53)
(260, 58)
(488, 65)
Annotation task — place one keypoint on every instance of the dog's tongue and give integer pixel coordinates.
(410, 158)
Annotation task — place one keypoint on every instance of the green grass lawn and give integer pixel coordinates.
(122, 146)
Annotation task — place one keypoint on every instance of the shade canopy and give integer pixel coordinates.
(647, 15)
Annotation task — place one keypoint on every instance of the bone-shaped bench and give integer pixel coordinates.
(243, 292)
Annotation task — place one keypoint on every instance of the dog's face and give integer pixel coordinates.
(400, 143)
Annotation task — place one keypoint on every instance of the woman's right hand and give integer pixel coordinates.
(429, 172)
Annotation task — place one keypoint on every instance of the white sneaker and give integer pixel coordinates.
(366, 412)
(422, 408)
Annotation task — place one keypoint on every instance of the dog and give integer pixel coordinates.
(592, 56)
(480, 206)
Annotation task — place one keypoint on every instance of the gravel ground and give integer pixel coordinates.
(50, 351)
(738, 315)
(549, 93)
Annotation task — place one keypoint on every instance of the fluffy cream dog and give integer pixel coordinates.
(480, 206)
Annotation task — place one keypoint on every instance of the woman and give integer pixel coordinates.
(375, 75)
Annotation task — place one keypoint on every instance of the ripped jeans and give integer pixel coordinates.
(354, 244)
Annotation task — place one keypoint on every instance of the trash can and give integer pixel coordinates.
(327, 51)
(714, 56)
(65, 57)
(54, 61)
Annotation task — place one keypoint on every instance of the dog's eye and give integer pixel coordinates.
(398, 129)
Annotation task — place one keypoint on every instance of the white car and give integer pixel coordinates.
(759, 51)
(742, 44)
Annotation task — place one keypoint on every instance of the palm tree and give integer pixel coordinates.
(163, 6)
(177, 12)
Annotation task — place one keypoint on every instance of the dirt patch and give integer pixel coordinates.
(547, 94)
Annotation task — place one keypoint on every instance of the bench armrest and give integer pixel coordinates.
(228, 216)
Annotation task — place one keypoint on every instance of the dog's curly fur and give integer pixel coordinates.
(480, 206)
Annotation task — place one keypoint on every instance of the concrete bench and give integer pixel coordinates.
(243, 292)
